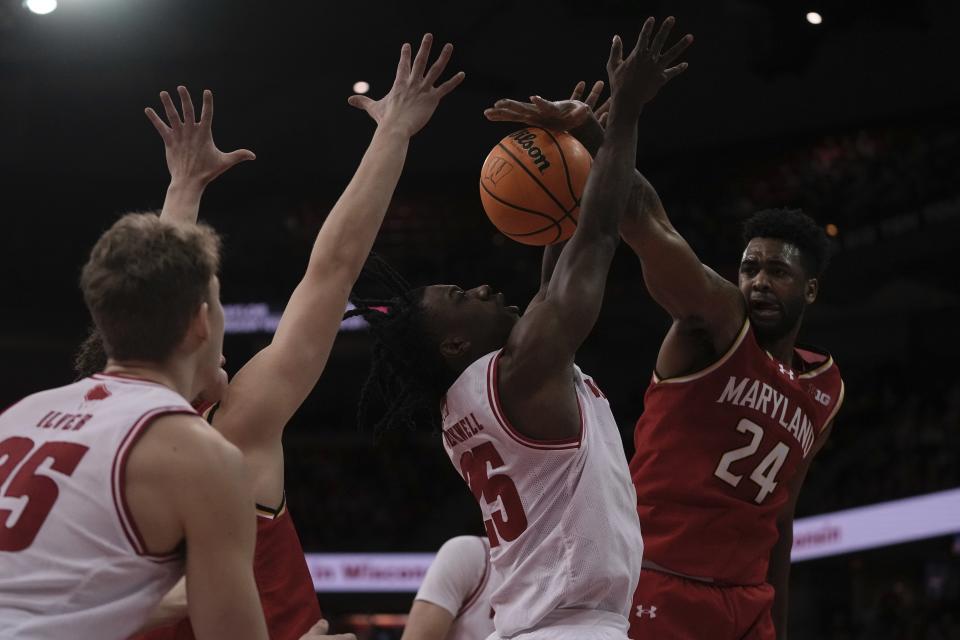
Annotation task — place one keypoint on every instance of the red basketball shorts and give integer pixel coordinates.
(668, 607)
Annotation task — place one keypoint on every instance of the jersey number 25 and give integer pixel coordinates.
(509, 522)
(40, 491)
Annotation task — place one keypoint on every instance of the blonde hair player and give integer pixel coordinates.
(105, 480)
(267, 390)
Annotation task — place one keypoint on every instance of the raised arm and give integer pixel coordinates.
(708, 311)
(694, 295)
(193, 159)
(269, 389)
(535, 366)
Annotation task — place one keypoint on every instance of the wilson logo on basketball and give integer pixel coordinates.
(525, 140)
(497, 169)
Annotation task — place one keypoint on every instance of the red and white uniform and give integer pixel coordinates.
(715, 454)
(72, 562)
(283, 580)
(560, 515)
(461, 580)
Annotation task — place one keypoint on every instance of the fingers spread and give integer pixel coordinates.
(420, 62)
(616, 53)
(172, 116)
(360, 102)
(594, 94)
(451, 84)
(437, 67)
(206, 111)
(603, 109)
(578, 90)
(676, 50)
(157, 123)
(662, 36)
(238, 156)
(186, 105)
(673, 72)
(643, 42)
(403, 67)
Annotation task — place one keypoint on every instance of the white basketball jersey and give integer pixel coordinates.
(561, 515)
(461, 580)
(72, 563)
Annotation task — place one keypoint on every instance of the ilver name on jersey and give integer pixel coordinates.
(759, 396)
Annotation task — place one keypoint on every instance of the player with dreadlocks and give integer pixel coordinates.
(533, 436)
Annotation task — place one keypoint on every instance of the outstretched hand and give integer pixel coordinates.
(636, 79)
(559, 115)
(412, 99)
(191, 153)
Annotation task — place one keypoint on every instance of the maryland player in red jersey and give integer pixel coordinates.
(266, 392)
(734, 414)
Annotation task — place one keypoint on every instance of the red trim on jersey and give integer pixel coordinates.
(118, 473)
(475, 594)
(494, 395)
(119, 377)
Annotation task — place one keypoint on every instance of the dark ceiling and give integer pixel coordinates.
(76, 150)
(75, 81)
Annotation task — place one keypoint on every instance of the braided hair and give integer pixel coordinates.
(91, 357)
(408, 376)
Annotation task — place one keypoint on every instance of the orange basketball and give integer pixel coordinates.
(531, 184)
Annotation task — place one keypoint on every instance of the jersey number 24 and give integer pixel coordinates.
(765, 473)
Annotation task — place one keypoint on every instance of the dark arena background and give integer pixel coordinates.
(854, 117)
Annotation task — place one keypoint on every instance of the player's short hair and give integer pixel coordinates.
(795, 227)
(145, 280)
(408, 377)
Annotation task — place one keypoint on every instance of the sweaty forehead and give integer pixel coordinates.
(766, 249)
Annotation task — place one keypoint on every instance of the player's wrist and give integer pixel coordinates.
(394, 129)
(186, 187)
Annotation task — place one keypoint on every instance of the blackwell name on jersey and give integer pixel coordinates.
(759, 396)
(462, 430)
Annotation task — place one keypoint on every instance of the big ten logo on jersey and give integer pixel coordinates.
(28, 489)
(504, 515)
(820, 396)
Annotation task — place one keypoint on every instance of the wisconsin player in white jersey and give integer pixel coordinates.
(105, 482)
(530, 433)
(453, 602)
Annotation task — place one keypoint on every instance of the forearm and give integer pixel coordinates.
(608, 187)
(349, 231)
(778, 575)
(182, 202)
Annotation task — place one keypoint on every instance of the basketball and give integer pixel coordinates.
(531, 184)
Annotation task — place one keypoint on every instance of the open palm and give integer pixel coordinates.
(190, 149)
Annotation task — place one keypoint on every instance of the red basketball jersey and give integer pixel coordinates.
(283, 580)
(715, 454)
